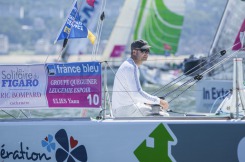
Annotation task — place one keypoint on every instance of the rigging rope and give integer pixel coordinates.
(8, 114)
(23, 113)
(99, 29)
(178, 79)
(199, 76)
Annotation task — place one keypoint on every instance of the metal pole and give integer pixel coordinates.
(237, 87)
(240, 86)
(105, 90)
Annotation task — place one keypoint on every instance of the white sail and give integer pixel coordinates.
(230, 25)
(121, 33)
(211, 91)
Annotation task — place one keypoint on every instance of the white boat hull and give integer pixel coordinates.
(182, 139)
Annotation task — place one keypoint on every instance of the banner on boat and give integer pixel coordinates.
(56, 85)
(114, 141)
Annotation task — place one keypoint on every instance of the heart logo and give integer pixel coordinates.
(73, 142)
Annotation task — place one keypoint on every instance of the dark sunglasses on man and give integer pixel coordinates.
(143, 50)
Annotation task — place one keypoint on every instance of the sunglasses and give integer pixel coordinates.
(143, 50)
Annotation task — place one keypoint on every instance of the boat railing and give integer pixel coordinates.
(238, 88)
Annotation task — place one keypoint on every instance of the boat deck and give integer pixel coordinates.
(125, 119)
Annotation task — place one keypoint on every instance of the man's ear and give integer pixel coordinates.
(134, 52)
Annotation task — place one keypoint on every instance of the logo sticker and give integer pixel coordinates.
(48, 143)
(164, 139)
(70, 149)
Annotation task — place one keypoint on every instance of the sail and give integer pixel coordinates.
(230, 26)
(121, 32)
(160, 23)
(212, 90)
(227, 37)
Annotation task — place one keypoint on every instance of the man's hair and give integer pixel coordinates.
(139, 44)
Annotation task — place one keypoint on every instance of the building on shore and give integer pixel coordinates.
(4, 44)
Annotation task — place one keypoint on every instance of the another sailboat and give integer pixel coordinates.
(218, 83)
(160, 23)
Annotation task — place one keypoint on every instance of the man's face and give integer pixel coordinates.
(142, 54)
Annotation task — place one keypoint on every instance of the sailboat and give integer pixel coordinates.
(160, 23)
(179, 137)
(218, 83)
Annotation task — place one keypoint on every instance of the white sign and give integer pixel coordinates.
(23, 86)
(210, 93)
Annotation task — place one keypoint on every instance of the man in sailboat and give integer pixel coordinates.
(128, 97)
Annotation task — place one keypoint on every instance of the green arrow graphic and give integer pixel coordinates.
(162, 150)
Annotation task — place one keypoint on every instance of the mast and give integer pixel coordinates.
(220, 27)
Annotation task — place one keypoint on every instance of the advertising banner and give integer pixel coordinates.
(22, 86)
(76, 85)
